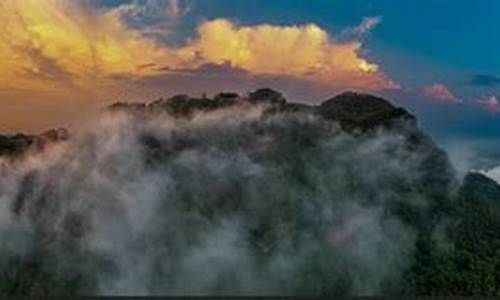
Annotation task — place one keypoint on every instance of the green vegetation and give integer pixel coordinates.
(465, 259)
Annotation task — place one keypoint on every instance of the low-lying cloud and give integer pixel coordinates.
(232, 202)
(493, 174)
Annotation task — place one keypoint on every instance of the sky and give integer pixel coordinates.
(64, 59)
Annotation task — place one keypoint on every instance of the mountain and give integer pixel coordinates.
(363, 111)
(244, 195)
(13, 145)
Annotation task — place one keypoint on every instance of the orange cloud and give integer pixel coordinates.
(303, 51)
(49, 42)
(66, 49)
(54, 39)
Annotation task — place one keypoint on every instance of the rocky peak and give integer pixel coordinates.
(363, 111)
(266, 95)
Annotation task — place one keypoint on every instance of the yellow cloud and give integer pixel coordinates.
(60, 57)
(47, 43)
(303, 51)
(63, 39)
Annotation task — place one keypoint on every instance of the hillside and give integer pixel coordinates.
(244, 195)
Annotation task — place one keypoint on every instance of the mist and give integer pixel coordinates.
(230, 202)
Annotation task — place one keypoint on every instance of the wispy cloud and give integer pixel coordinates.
(153, 18)
(368, 24)
(176, 10)
(441, 93)
(490, 103)
(365, 27)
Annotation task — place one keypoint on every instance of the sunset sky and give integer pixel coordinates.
(63, 59)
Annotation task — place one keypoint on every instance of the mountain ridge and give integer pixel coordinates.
(246, 195)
